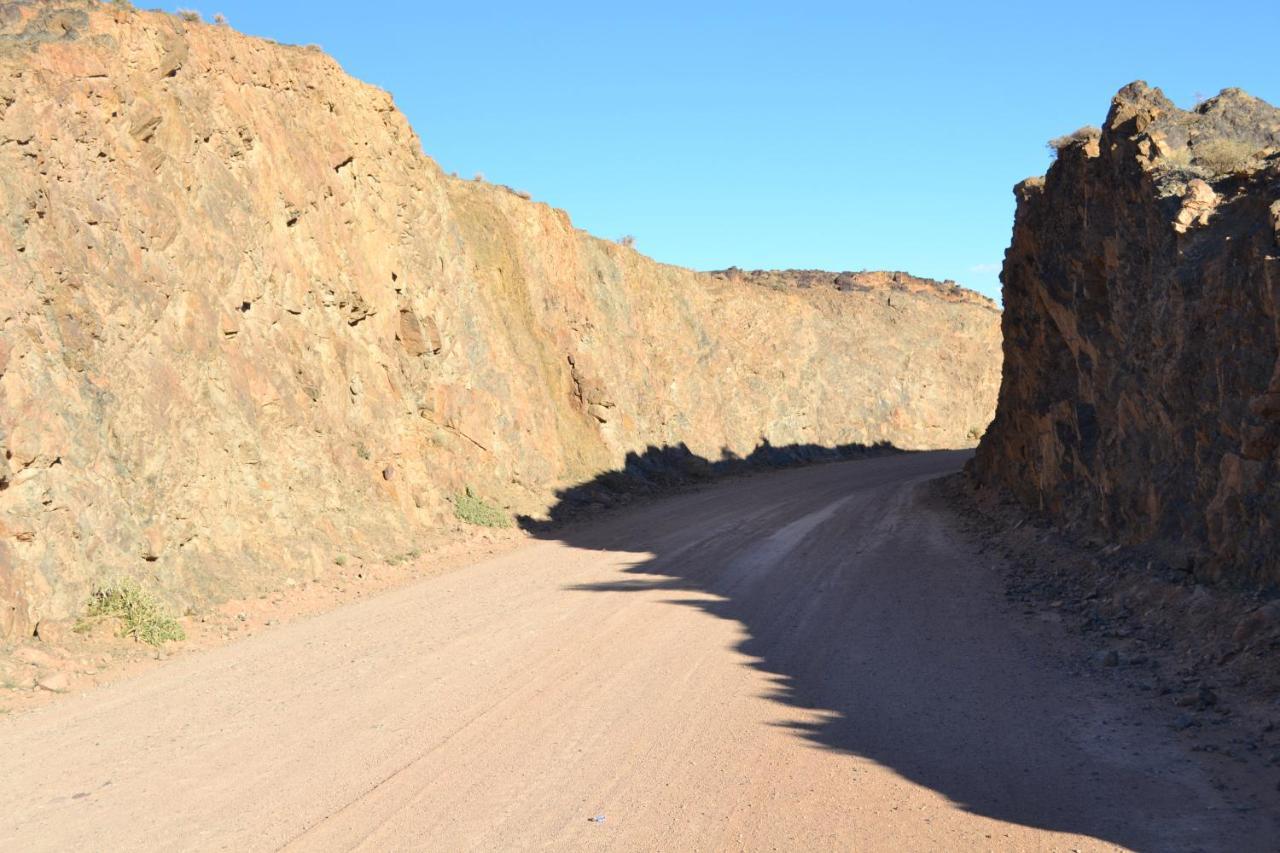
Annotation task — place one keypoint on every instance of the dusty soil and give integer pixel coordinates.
(1205, 650)
(37, 672)
(814, 659)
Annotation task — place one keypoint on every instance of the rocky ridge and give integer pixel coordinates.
(1141, 392)
(246, 324)
(865, 281)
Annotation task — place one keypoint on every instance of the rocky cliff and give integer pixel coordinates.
(246, 324)
(1141, 389)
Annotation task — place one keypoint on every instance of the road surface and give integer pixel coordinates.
(806, 660)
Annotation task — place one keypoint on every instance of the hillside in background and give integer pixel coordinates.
(246, 324)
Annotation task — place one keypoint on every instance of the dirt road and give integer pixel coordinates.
(801, 661)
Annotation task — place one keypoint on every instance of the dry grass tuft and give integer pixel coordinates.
(141, 615)
(1224, 156)
(1078, 136)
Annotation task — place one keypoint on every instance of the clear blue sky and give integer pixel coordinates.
(819, 135)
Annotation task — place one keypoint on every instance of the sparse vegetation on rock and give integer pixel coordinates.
(1077, 137)
(1222, 156)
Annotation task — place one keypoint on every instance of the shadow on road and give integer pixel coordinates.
(671, 468)
(869, 624)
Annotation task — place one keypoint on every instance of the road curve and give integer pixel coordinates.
(803, 660)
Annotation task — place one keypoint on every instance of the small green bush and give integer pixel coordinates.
(473, 510)
(141, 615)
(627, 240)
(191, 16)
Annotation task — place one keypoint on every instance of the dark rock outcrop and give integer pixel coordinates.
(1141, 388)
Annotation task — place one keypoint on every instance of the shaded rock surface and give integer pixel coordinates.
(1141, 389)
(246, 324)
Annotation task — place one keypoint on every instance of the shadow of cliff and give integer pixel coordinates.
(659, 471)
(851, 653)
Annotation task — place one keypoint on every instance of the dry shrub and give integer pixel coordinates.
(1224, 156)
(1077, 137)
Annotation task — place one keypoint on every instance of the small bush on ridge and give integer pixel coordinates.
(1076, 137)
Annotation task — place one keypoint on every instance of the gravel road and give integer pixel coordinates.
(805, 660)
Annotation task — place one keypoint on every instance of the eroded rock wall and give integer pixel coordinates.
(1141, 389)
(246, 324)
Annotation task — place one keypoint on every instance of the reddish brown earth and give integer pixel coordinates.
(253, 345)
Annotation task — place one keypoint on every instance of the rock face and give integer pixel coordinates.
(1141, 390)
(246, 325)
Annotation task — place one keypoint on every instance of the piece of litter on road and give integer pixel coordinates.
(597, 819)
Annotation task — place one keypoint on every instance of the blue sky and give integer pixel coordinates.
(816, 135)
